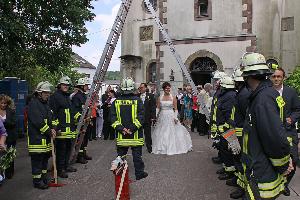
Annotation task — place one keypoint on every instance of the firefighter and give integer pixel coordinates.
(237, 121)
(290, 117)
(78, 102)
(213, 128)
(40, 131)
(127, 116)
(223, 108)
(266, 151)
(63, 121)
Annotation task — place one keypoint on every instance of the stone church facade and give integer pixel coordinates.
(208, 35)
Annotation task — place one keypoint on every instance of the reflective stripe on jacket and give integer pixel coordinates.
(127, 112)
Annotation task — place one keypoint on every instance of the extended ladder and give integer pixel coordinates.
(169, 42)
(100, 74)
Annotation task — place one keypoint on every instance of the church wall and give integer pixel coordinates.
(228, 52)
(226, 19)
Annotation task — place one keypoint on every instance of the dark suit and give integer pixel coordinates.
(149, 113)
(292, 110)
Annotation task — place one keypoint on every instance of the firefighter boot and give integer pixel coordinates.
(216, 160)
(40, 185)
(225, 176)
(221, 171)
(232, 182)
(46, 179)
(237, 194)
(144, 175)
(85, 156)
(71, 169)
(62, 174)
(80, 159)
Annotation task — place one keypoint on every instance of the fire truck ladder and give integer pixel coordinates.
(100, 74)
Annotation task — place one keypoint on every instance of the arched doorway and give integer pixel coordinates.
(201, 70)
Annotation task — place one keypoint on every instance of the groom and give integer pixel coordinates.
(149, 113)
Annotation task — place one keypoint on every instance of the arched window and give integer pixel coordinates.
(203, 64)
(152, 73)
(203, 10)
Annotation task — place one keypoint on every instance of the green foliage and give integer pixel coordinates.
(294, 79)
(34, 75)
(113, 75)
(41, 33)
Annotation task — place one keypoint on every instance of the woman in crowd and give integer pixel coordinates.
(8, 116)
(188, 104)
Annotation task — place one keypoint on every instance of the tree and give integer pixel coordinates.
(294, 79)
(41, 33)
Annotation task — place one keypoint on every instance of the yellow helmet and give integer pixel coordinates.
(227, 82)
(254, 64)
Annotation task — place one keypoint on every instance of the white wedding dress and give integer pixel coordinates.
(169, 137)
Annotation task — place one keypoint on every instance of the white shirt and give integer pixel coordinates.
(280, 90)
(143, 97)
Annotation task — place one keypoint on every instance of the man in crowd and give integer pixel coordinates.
(223, 108)
(78, 102)
(149, 113)
(64, 120)
(291, 115)
(204, 102)
(127, 116)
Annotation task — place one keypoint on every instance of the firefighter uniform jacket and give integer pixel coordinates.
(39, 126)
(239, 110)
(223, 108)
(78, 102)
(127, 112)
(60, 104)
(266, 151)
(213, 116)
(292, 110)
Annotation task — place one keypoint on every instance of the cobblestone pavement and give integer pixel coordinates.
(186, 177)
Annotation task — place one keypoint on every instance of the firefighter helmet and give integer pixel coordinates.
(65, 80)
(254, 64)
(44, 86)
(81, 82)
(218, 74)
(237, 76)
(127, 84)
(227, 82)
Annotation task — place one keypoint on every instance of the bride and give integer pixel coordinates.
(169, 136)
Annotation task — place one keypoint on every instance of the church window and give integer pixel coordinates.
(203, 10)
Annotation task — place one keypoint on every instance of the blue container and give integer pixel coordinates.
(18, 90)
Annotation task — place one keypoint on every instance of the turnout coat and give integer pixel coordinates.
(266, 150)
(39, 126)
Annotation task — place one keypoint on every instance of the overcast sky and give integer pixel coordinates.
(98, 31)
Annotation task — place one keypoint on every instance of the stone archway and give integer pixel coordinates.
(201, 65)
(204, 53)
